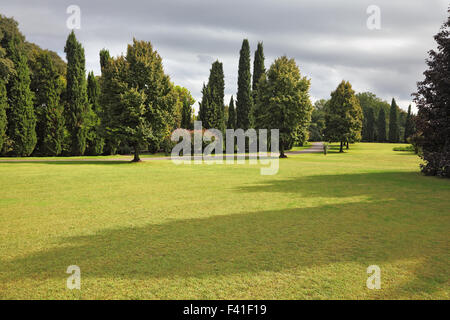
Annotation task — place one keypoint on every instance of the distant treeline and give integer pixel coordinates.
(382, 122)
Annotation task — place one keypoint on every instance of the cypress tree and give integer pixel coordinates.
(394, 133)
(381, 126)
(231, 115)
(186, 114)
(258, 66)
(48, 107)
(212, 110)
(205, 107)
(95, 141)
(370, 125)
(216, 84)
(3, 119)
(78, 109)
(244, 98)
(409, 125)
(104, 58)
(21, 117)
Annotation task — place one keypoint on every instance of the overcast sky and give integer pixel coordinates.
(329, 39)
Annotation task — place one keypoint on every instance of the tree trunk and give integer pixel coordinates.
(282, 155)
(342, 147)
(347, 145)
(136, 155)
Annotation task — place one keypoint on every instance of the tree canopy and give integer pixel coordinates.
(283, 102)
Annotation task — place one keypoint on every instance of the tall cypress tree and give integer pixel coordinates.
(231, 115)
(217, 86)
(95, 140)
(104, 58)
(48, 107)
(244, 98)
(381, 126)
(186, 114)
(21, 117)
(394, 131)
(258, 65)
(204, 106)
(409, 125)
(370, 125)
(3, 119)
(212, 110)
(78, 109)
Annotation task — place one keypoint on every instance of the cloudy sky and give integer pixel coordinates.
(329, 39)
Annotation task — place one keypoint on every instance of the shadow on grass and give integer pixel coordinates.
(67, 162)
(376, 230)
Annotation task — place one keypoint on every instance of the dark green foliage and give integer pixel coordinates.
(186, 115)
(409, 125)
(404, 148)
(104, 58)
(244, 97)
(6, 70)
(283, 103)
(231, 115)
(258, 66)
(21, 118)
(93, 92)
(95, 140)
(11, 39)
(394, 133)
(183, 110)
(369, 120)
(141, 99)
(78, 110)
(212, 110)
(49, 109)
(3, 119)
(370, 101)
(134, 125)
(317, 125)
(433, 103)
(113, 84)
(343, 116)
(381, 126)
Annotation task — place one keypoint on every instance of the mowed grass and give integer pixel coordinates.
(155, 230)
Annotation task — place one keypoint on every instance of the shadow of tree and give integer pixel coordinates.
(67, 162)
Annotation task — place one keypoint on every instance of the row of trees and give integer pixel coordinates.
(381, 122)
(276, 99)
(48, 107)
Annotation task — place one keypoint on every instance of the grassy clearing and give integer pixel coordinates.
(154, 230)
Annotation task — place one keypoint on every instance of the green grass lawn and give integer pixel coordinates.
(154, 230)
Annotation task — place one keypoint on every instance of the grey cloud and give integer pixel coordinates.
(329, 39)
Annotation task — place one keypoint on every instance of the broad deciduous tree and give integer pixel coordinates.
(285, 97)
(343, 117)
(433, 102)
